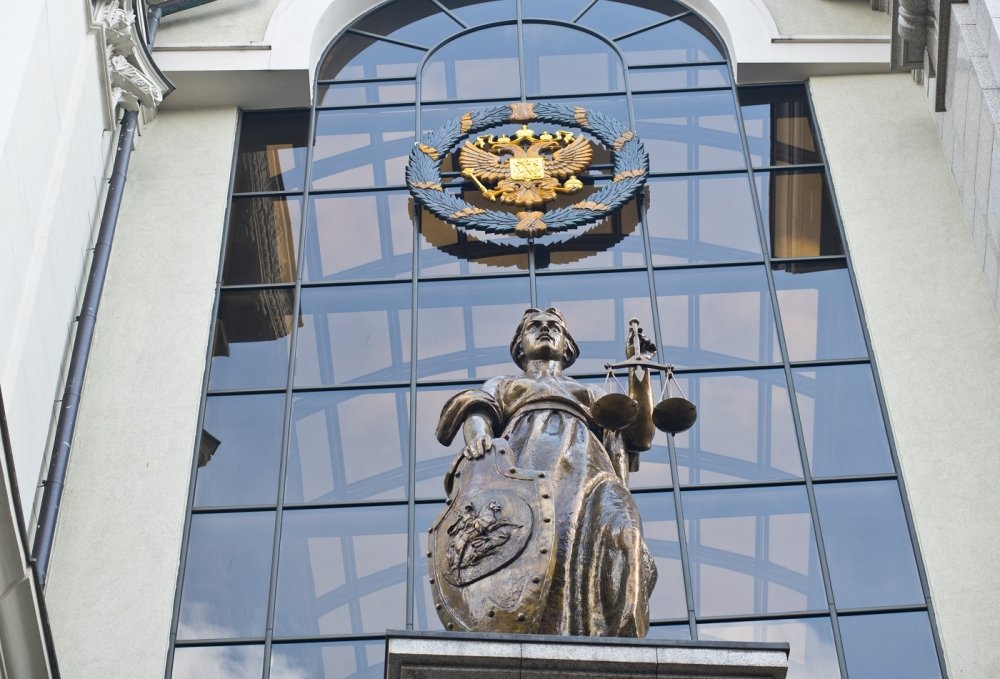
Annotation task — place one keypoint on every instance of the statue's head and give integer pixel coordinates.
(542, 334)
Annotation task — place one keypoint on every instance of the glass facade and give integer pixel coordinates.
(347, 315)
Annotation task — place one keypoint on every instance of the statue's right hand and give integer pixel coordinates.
(478, 447)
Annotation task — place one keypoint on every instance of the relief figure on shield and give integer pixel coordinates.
(541, 534)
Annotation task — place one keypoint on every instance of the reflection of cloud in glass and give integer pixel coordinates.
(812, 654)
(219, 662)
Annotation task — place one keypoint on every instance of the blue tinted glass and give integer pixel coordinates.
(842, 421)
(812, 654)
(779, 126)
(670, 632)
(262, 241)
(425, 616)
(362, 149)
(359, 236)
(659, 528)
(415, 21)
(752, 551)
(218, 662)
(616, 17)
(357, 56)
(475, 12)
(716, 317)
(446, 251)
(348, 445)
(678, 78)
(239, 451)
(354, 334)
(867, 544)
(597, 312)
(654, 464)
(567, 10)
(689, 131)
(464, 330)
(818, 312)
(342, 571)
(251, 339)
(478, 65)
(218, 600)
(889, 645)
(797, 209)
(744, 430)
(433, 459)
(560, 60)
(702, 219)
(682, 41)
(358, 94)
(330, 660)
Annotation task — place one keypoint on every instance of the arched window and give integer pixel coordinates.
(347, 315)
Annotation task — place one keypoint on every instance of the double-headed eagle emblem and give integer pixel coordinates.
(527, 170)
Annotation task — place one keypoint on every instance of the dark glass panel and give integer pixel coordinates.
(251, 339)
(357, 56)
(566, 10)
(812, 653)
(563, 60)
(889, 645)
(433, 459)
(342, 571)
(354, 334)
(688, 131)
(659, 528)
(348, 445)
(779, 126)
(841, 421)
(744, 430)
(262, 242)
(868, 546)
(798, 210)
(478, 65)
(425, 616)
(752, 550)
(359, 236)
(446, 251)
(685, 40)
(702, 219)
(677, 78)
(464, 329)
(419, 22)
(670, 632)
(617, 17)
(239, 450)
(218, 599)
(818, 312)
(329, 660)
(272, 151)
(358, 94)
(612, 243)
(597, 310)
(361, 148)
(475, 12)
(218, 662)
(716, 317)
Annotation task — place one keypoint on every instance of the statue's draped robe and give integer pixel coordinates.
(604, 573)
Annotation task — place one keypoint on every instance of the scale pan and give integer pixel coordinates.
(674, 415)
(615, 411)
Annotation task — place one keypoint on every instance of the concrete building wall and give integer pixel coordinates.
(828, 17)
(223, 22)
(936, 341)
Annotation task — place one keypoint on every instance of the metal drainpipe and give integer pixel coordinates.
(55, 478)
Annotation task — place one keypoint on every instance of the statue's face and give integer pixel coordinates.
(544, 338)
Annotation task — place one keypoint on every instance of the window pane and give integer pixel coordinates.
(262, 242)
(744, 430)
(798, 210)
(702, 219)
(348, 445)
(425, 616)
(354, 334)
(446, 251)
(362, 148)
(779, 126)
(565, 10)
(433, 459)
(812, 654)
(677, 78)
(615, 17)
(867, 544)
(659, 528)
(415, 21)
(219, 662)
(389, 92)
(689, 131)
(272, 151)
(670, 632)
(240, 447)
(682, 41)
(359, 236)
(433, 116)
(597, 310)
(654, 464)
(752, 551)
(842, 421)
(613, 243)
(342, 571)
(465, 330)
(357, 56)
(716, 317)
(459, 69)
(889, 645)
(818, 312)
(560, 60)
(219, 601)
(251, 339)
(475, 12)
(331, 660)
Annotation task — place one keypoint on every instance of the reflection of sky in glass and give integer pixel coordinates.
(812, 654)
(613, 18)
(889, 645)
(251, 339)
(673, 43)
(418, 22)
(818, 313)
(696, 131)
(355, 56)
(659, 528)
(339, 660)
(218, 662)
(677, 78)
(457, 70)
(425, 617)
(560, 60)
(357, 149)
(433, 458)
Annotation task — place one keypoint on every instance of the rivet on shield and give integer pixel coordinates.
(451, 625)
(544, 550)
(513, 470)
(432, 581)
(536, 579)
(547, 520)
(541, 475)
(491, 613)
(437, 606)
(429, 555)
(521, 617)
(545, 495)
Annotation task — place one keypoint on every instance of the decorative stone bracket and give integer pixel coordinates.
(132, 80)
(920, 40)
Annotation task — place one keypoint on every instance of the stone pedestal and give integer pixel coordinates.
(440, 655)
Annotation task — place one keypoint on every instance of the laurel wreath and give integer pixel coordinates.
(423, 171)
